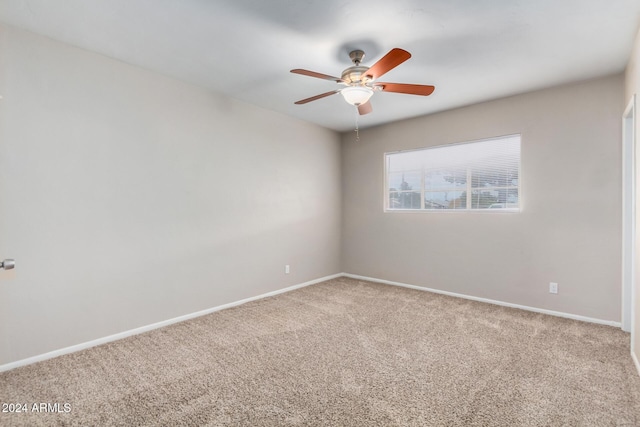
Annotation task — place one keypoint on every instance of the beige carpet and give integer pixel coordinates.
(344, 353)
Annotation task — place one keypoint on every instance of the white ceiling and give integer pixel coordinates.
(471, 50)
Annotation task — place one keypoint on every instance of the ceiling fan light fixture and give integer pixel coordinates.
(356, 95)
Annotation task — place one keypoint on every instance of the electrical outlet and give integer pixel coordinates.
(553, 288)
(286, 269)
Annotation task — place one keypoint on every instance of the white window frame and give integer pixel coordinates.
(468, 187)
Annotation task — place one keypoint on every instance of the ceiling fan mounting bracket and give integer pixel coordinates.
(356, 56)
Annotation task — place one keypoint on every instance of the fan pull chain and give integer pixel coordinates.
(357, 130)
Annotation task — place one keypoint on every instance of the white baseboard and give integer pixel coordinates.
(636, 362)
(490, 301)
(142, 329)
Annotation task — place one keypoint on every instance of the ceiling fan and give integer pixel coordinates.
(360, 81)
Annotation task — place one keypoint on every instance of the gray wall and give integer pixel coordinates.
(569, 230)
(128, 198)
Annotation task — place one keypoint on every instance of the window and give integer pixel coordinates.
(469, 176)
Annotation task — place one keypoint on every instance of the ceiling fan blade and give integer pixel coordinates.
(365, 108)
(317, 75)
(391, 60)
(313, 98)
(423, 90)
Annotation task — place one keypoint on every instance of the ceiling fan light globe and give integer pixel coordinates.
(356, 95)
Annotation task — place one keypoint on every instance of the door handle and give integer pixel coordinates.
(8, 264)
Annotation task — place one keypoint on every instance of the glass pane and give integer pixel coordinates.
(410, 160)
(483, 199)
(502, 198)
(394, 200)
(445, 199)
(404, 200)
(494, 176)
(404, 181)
(440, 179)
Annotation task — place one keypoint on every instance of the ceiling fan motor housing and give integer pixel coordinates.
(355, 75)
